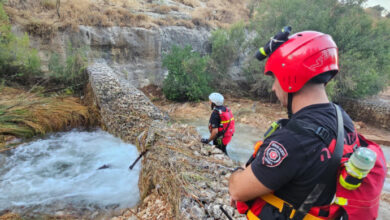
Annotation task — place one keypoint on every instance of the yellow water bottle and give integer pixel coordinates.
(357, 167)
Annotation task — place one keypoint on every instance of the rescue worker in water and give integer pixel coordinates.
(221, 123)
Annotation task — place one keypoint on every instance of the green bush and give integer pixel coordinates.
(18, 62)
(70, 73)
(226, 46)
(187, 78)
(363, 41)
(260, 84)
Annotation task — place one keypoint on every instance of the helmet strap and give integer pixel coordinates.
(213, 105)
(289, 105)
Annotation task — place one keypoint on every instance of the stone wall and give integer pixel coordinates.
(180, 178)
(373, 111)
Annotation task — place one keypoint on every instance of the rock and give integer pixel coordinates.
(205, 150)
(373, 111)
(207, 196)
(135, 53)
(197, 212)
(202, 185)
(60, 213)
(124, 109)
(215, 211)
(220, 156)
(219, 201)
(215, 150)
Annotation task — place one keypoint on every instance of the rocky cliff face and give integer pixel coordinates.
(180, 178)
(134, 53)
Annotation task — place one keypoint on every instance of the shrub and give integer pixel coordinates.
(226, 46)
(260, 84)
(71, 71)
(18, 62)
(363, 42)
(187, 76)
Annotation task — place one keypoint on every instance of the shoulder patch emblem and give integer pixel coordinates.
(274, 154)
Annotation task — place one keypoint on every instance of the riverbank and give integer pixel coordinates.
(260, 114)
(180, 177)
(25, 114)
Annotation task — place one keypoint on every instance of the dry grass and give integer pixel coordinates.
(40, 17)
(41, 28)
(191, 3)
(172, 182)
(10, 216)
(177, 177)
(162, 9)
(24, 115)
(220, 13)
(170, 21)
(185, 23)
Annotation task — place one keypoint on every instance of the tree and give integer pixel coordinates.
(363, 42)
(187, 76)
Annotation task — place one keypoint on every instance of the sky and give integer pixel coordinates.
(383, 3)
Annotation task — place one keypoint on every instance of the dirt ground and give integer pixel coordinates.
(256, 113)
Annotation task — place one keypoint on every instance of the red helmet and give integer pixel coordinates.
(302, 57)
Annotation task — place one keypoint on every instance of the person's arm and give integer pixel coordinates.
(244, 186)
(213, 134)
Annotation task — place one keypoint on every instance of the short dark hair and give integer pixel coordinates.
(323, 77)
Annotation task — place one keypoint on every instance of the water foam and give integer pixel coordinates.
(61, 171)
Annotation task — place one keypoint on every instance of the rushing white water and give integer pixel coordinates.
(60, 174)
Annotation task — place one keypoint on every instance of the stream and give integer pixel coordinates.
(242, 143)
(59, 175)
(245, 136)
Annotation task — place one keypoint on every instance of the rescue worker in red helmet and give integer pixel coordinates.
(289, 164)
(221, 123)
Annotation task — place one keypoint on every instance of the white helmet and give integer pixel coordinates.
(216, 98)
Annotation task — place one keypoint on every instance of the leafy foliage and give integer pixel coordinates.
(187, 78)
(363, 42)
(226, 45)
(226, 48)
(18, 62)
(260, 84)
(70, 72)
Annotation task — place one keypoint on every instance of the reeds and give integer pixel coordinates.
(24, 115)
